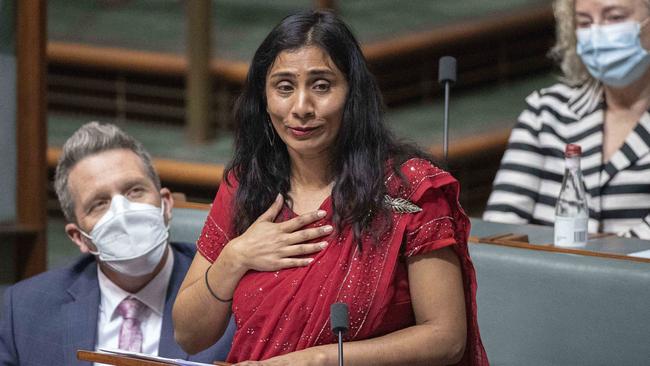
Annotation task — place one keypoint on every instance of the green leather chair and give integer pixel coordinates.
(546, 308)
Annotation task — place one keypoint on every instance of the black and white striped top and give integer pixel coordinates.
(529, 179)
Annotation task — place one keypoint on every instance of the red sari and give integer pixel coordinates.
(285, 311)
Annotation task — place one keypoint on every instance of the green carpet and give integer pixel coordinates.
(239, 26)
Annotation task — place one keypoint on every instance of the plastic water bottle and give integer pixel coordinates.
(571, 209)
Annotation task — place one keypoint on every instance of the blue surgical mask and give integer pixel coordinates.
(613, 53)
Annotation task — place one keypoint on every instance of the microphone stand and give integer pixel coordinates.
(339, 320)
(447, 77)
(340, 332)
(445, 142)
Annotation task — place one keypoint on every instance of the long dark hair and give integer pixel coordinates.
(363, 147)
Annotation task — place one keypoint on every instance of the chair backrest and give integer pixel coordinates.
(544, 308)
(186, 224)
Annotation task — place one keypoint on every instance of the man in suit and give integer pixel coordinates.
(119, 293)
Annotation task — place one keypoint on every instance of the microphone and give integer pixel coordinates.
(446, 77)
(339, 321)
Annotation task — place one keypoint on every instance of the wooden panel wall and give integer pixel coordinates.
(31, 133)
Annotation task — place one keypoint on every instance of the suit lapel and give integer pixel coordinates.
(636, 145)
(81, 314)
(168, 346)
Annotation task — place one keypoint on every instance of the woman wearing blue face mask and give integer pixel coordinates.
(600, 104)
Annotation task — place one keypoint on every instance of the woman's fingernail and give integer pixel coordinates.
(278, 197)
(310, 260)
(323, 245)
(321, 213)
(327, 229)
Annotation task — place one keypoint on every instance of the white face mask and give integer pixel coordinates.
(131, 236)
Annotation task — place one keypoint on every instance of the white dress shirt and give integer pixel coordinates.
(152, 295)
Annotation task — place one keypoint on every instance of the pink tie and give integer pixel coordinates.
(130, 332)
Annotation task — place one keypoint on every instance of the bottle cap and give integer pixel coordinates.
(572, 150)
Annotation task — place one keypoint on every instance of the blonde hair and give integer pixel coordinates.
(564, 50)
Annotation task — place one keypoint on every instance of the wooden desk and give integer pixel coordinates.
(541, 238)
(115, 359)
(120, 360)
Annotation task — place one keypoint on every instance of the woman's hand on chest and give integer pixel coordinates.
(270, 246)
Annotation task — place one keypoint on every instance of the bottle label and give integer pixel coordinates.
(570, 231)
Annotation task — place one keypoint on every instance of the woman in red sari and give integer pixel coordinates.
(321, 205)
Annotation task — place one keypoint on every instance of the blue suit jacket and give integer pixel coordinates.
(47, 318)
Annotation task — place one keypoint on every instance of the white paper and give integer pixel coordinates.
(641, 254)
(144, 356)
